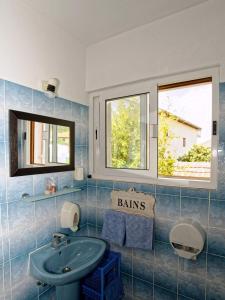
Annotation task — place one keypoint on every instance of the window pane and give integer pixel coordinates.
(126, 132)
(50, 146)
(63, 144)
(39, 142)
(185, 127)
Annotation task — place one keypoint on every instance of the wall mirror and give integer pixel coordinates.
(40, 144)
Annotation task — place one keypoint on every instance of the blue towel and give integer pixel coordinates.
(114, 227)
(139, 232)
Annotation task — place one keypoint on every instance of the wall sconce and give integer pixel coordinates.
(50, 87)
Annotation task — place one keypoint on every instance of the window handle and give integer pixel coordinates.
(154, 131)
(214, 128)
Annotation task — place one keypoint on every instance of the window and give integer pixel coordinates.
(59, 144)
(126, 132)
(157, 132)
(185, 108)
(63, 144)
(37, 135)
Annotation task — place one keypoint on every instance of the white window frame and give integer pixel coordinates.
(97, 151)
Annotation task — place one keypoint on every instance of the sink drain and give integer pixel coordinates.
(66, 269)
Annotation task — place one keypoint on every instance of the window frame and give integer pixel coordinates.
(97, 125)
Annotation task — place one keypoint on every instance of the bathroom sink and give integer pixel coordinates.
(67, 264)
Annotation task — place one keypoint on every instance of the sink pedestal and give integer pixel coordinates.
(68, 291)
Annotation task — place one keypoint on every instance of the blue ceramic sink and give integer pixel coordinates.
(66, 265)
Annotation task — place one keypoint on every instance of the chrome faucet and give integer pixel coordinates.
(59, 239)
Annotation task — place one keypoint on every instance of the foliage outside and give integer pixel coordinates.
(197, 153)
(125, 133)
(165, 158)
(126, 140)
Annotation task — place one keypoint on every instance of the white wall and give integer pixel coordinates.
(189, 40)
(32, 48)
(178, 131)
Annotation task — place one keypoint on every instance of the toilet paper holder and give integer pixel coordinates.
(70, 216)
(187, 238)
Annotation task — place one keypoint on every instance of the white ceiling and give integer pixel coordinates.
(92, 21)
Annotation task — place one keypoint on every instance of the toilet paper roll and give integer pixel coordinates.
(70, 216)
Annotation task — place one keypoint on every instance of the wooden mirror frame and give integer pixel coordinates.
(13, 144)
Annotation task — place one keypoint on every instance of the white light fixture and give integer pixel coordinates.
(50, 87)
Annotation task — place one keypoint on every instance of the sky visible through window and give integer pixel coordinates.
(192, 103)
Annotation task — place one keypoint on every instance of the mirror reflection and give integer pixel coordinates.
(42, 144)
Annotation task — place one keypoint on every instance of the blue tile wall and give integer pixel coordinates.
(159, 274)
(27, 226)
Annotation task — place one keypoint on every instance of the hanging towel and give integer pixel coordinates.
(139, 232)
(114, 227)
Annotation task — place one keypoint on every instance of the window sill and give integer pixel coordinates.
(176, 182)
